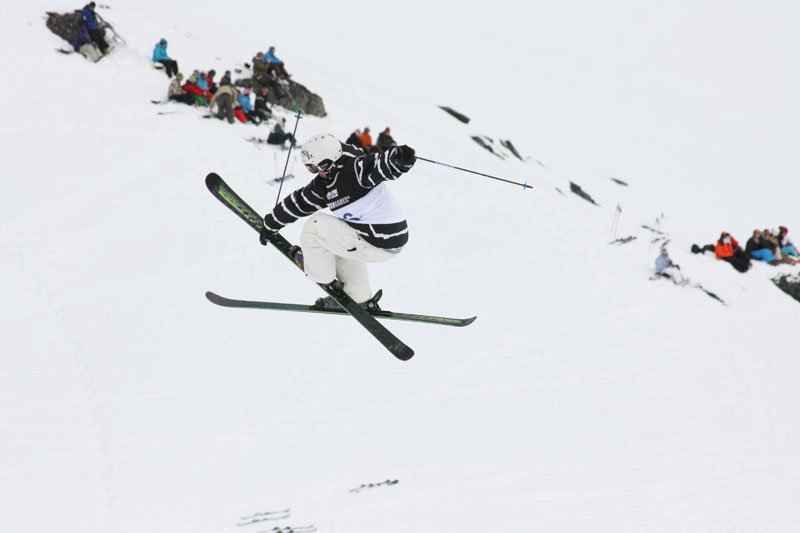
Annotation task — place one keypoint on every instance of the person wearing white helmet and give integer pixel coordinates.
(366, 223)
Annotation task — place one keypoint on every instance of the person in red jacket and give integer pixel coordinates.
(728, 249)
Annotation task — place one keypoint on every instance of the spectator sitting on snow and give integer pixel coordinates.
(275, 64)
(279, 135)
(244, 103)
(95, 31)
(200, 96)
(775, 245)
(354, 139)
(212, 85)
(224, 98)
(202, 82)
(728, 250)
(160, 56)
(262, 106)
(226, 78)
(84, 44)
(385, 140)
(260, 73)
(665, 267)
(757, 249)
(366, 139)
(786, 244)
(176, 92)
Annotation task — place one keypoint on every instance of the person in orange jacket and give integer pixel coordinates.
(728, 249)
(366, 139)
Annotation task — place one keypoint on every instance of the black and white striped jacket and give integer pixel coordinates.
(355, 191)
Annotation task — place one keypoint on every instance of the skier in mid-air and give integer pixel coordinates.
(367, 225)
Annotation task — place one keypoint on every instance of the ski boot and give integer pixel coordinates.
(296, 255)
(329, 304)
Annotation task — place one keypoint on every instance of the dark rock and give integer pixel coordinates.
(487, 142)
(459, 116)
(64, 25)
(293, 95)
(623, 240)
(580, 192)
(511, 148)
(790, 284)
(619, 182)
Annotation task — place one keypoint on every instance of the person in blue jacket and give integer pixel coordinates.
(275, 64)
(95, 31)
(160, 56)
(243, 102)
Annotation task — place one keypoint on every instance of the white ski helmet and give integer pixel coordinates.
(321, 150)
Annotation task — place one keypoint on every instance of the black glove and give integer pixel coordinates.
(405, 154)
(264, 236)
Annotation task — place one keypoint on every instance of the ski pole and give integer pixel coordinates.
(524, 185)
(110, 27)
(298, 116)
(615, 222)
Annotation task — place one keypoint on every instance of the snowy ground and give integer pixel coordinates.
(584, 398)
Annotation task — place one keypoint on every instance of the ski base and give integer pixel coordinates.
(389, 315)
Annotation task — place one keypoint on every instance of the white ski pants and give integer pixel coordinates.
(334, 250)
(90, 52)
(674, 274)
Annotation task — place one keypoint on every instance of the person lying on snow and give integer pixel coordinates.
(728, 249)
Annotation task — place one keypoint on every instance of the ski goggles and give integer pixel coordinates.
(323, 166)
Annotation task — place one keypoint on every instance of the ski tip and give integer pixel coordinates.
(212, 179)
(468, 321)
(403, 352)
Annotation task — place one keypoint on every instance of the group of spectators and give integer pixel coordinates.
(201, 89)
(232, 103)
(772, 247)
(89, 39)
(247, 102)
(363, 139)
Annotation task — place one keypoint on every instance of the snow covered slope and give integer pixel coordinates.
(584, 398)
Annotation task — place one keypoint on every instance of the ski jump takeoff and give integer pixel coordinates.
(367, 225)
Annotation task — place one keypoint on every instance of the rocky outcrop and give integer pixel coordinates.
(293, 95)
(64, 25)
(459, 116)
(487, 142)
(574, 187)
(790, 284)
(619, 182)
(511, 148)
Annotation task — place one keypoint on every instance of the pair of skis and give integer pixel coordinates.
(368, 319)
